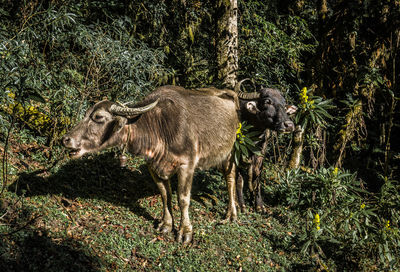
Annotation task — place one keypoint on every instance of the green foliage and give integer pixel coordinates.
(387, 203)
(185, 31)
(246, 143)
(388, 200)
(60, 56)
(271, 45)
(340, 220)
(313, 119)
(313, 112)
(302, 190)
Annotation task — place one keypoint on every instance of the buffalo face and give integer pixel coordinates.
(102, 127)
(267, 109)
(94, 132)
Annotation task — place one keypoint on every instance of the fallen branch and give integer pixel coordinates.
(21, 228)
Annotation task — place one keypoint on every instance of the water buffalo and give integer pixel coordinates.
(176, 130)
(265, 110)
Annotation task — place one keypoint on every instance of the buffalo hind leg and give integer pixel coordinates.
(185, 178)
(239, 191)
(240, 186)
(256, 169)
(258, 201)
(164, 187)
(229, 170)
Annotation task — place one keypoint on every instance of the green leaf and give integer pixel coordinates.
(253, 148)
(248, 141)
(236, 145)
(305, 247)
(237, 156)
(36, 97)
(244, 151)
(312, 117)
(324, 112)
(253, 133)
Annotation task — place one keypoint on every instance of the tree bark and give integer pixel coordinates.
(227, 42)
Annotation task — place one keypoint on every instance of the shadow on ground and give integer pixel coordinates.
(101, 177)
(26, 246)
(30, 250)
(95, 177)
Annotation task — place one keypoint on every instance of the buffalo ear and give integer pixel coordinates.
(290, 109)
(251, 107)
(119, 123)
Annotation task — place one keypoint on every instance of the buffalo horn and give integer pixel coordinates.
(125, 111)
(243, 95)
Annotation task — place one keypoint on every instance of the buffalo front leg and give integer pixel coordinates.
(164, 187)
(229, 169)
(185, 178)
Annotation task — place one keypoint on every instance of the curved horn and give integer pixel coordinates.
(249, 96)
(125, 111)
(237, 86)
(243, 95)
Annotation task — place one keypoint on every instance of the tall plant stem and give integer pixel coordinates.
(5, 160)
(298, 140)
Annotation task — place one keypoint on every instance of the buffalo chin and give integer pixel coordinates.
(76, 153)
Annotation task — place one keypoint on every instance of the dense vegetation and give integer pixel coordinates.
(336, 60)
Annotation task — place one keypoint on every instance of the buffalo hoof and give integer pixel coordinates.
(261, 209)
(164, 228)
(185, 237)
(241, 205)
(259, 204)
(229, 218)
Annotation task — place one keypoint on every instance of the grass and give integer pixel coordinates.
(91, 215)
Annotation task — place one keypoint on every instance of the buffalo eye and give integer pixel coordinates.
(268, 101)
(98, 118)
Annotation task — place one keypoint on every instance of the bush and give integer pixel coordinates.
(60, 57)
(272, 45)
(340, 223)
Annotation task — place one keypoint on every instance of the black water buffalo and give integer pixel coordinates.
(265, 110)
(177, 131)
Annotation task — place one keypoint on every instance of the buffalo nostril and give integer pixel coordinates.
(66, 141)
(289, 125)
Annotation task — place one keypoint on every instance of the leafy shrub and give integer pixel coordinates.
(271, 45)
(300, 189)
(314, 111)
(59, 53)
(340, 220)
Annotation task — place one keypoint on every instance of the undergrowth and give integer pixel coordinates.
(99, 217)
(342, 226)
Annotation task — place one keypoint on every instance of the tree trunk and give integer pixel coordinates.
(227, 42)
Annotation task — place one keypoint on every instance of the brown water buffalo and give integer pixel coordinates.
(177, 131)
